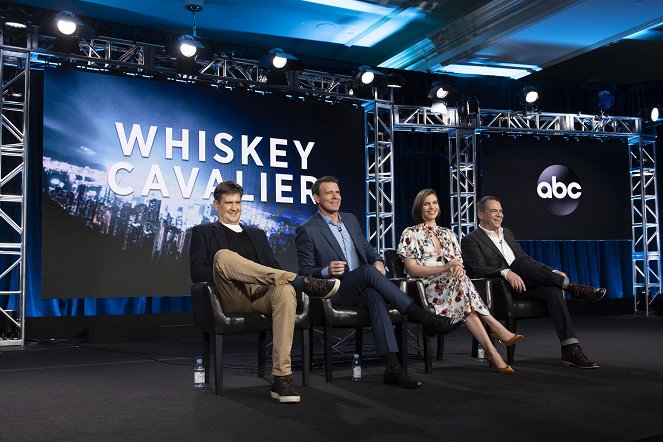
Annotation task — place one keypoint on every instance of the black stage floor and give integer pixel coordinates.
(69, 390)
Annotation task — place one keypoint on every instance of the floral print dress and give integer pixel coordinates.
(450, 296)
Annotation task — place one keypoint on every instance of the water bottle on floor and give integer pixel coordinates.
(481, 354)
(199, 375)
(356, 368)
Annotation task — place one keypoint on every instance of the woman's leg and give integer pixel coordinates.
(496, 326)
(474, 325)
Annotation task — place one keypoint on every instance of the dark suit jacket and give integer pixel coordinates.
(317, 246)
(207, 239)
(481, 256)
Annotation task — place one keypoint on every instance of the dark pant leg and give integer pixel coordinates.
(535, 274)
(355, 282)
(366, 286)
(553, 299)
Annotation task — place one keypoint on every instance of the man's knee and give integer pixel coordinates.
(284, 295)
(369, 271)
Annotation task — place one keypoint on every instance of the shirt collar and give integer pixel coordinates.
(499, 232)
(328, 219)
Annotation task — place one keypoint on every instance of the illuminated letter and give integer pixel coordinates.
(544, 190)
(238, 179)
(186, 188)
(112, 181)
(304, 153)
(304, 189)
(214, 179)
(135, 135)
(572, 193)
(274, 153)
(170, 143)
(280, 188)
(150, 184)
(250, 150)
(223, 148)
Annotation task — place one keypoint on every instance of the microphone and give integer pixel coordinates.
(340, 229)
(500, 242)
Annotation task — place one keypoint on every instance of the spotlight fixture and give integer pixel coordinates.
(191, 45)
(366, 75)
(67, 22)
(279, 59)
(469, 112)
(16, 18)
(529, 96)
(438, 90)
(654, 113)
(604, 100)
(443, 96)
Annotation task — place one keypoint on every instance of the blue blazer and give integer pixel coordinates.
(207, 239)
(317, 246)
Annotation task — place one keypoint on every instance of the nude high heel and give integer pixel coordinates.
(504, 370)
(507, 343)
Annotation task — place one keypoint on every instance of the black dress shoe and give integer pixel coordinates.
(586, 293)
(442, 325)
(400, 378)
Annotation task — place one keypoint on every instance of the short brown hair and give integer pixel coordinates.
(315, 190)
(227, 188)
(418, 205)
(481, 205)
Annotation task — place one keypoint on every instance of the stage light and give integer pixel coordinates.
(438, 90)
(16, 18)
(67, 22)
(366, 75)
(605, 100)
(279, 59)
(654, 113)
(529, 95)
(189, 45)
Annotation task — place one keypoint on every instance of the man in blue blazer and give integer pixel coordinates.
(241, 263)
(331, 244)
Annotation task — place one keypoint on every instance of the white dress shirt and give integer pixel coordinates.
(498, 239)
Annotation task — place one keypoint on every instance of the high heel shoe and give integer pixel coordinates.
(509, 342)
(503, 370)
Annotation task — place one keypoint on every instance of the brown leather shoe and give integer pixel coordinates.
(585, 292)
(321, 288)
(573, 356)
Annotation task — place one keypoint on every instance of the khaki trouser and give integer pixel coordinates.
(246, 286)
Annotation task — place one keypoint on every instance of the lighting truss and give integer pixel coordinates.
(646, 254)
(379, 163)
(15, 76)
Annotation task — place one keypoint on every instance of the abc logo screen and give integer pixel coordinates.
(559, 190)
(559, 187)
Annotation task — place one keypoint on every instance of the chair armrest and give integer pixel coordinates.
(202, 308)
(502, 297)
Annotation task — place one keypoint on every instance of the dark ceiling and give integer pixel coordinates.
(575, 40)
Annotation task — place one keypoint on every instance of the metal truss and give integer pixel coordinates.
(463, 180)
(379, 163)
(15, 75)
(646, 253)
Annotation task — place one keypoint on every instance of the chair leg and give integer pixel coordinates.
(311, 340)
(440, 347)
(359, 340)
(428, 354)
(218, 364)
(262, 356)
(206, 355)
(328, 355)
(401, 330)
(511, 351)
(475, 347)
(306, 357)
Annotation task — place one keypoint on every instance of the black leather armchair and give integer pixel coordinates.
(326, 315)
(210, 317)
(415, 289)
(507, 307)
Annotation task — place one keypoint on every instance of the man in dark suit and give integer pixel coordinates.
(491, 251)
(241, 263)
(331, 244)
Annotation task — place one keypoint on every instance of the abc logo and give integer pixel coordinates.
(559, 190)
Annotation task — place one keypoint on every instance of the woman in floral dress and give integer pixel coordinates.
(432, 253)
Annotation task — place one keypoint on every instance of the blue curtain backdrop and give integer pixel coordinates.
(420, 162)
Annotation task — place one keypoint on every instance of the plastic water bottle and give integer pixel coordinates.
(199, 375)
(356, 368)
(481, 354)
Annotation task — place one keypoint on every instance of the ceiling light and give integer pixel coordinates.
(67, 22)
(279, 59)
(530, 95)
(16, 18)
(438, 90)
(366, 75)
(654, 114)
(189, 45)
